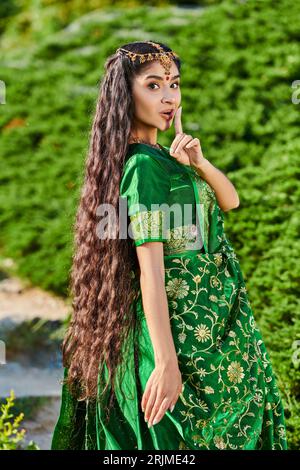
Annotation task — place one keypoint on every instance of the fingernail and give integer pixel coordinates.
(155, 421)
(171, 150)
(149, 424)
(172, 408)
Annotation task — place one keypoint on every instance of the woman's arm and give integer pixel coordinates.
(225, 191)
(155, 303)
(165, 383)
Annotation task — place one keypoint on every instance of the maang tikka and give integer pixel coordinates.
(165, 58)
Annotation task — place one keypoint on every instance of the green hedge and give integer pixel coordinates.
(239, 61)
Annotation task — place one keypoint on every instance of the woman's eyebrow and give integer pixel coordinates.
(160, 78)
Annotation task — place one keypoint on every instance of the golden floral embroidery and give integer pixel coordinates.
(218, 259)
(182, 337)
(207, 200)
(182, 238)
(209, 390)
(202, 333)
(219, 442)
(177, 288)
(235, 372)
(147, 225)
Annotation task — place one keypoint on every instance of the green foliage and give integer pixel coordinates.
(11, 437)
(33, 19)
(237, 77)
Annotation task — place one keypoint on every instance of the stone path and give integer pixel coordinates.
(19, 302)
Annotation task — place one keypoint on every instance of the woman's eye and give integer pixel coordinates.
(153, 83)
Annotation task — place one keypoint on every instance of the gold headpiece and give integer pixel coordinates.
(164, 57)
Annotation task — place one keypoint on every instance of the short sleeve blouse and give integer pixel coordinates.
(146, 187)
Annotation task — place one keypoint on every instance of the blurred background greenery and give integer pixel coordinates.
(239, 60)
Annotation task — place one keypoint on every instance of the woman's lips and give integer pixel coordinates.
(168, 117)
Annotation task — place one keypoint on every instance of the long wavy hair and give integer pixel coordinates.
(104, 278)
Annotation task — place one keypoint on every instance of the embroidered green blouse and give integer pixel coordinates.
(169, 202)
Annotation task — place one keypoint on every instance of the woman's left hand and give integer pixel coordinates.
(184, 148)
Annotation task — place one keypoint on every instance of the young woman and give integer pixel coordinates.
(162, 351)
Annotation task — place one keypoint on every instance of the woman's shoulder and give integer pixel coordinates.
(144, 175)
(137, 156)
(144, 158)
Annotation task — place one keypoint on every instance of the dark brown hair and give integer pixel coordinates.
(104, 284)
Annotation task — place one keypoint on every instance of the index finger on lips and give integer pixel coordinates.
(177, 121)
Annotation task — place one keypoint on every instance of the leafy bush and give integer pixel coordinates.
(11, 437)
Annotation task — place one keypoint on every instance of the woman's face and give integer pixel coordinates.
(155, 95)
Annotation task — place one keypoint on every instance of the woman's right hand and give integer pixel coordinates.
(162, 391)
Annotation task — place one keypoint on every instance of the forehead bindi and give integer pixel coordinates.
(160, 78)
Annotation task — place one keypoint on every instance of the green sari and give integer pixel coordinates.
(230, 398)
